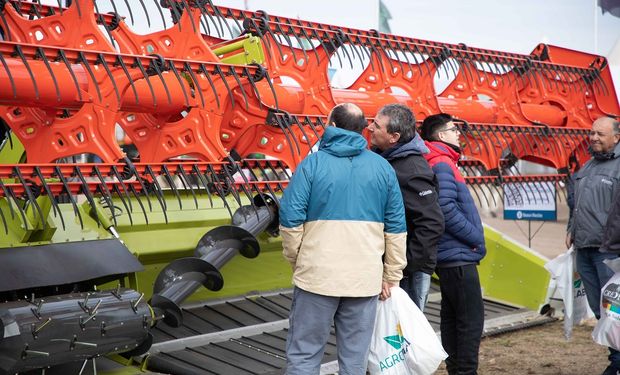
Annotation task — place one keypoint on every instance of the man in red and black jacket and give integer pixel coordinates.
(460, 249)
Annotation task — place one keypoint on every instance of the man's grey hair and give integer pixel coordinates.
(615, 125)
(402, 121)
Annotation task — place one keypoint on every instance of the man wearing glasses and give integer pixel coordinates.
(460, 249)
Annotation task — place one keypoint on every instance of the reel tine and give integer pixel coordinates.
(245, 185)
(62, 56)
(401, 50)
(101, 60)
(218, 188)
(188, 68)
(230, 15)
(229, 182)
(218, 70)
(65, 184)
(286, 38)
(76, 3)
(18, 51)
(158, 191)
(31, 198)
(105, 193)
(3, 218)
(180, 173)
(203, 181)
(273, 90)
(180, 81)
(424, 60)
(159, 194)
(308, 121)
(299, 43)
(133, 22)
(154, 66)
(282, 167)
(415, 59)
(174, 12)
(55, 207)
(186, 183)
(122, 199)
(87, 193)
(7, 195)
(118, 176)
(284, 123)
(82, 59)
(8, 71)
(356, 48)
(250, 77)
(22, 213)
(202, 20)
(5, 25)
(295, 120)
(137, 195)
(339, 36)
(40, 54)
(168, 177)
(204, 71)
(474, 185)
(121, 63)
(161, 13)
(265, 21)
(208, 14)
(139, 65)
(303, 31)
(99, 17)
(221, 19)
(245, 97)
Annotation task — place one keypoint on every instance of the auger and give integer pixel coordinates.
(134, 167)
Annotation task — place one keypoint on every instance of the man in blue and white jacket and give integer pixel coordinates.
(343, 231)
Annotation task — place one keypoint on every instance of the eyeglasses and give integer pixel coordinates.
(452, 129)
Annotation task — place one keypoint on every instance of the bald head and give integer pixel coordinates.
(605, 134)
(347, 116)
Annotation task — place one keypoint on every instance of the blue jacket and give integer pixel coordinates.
(341, 213)
(463, 238)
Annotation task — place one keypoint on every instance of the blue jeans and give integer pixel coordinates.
(417, 286)
(310, 323)
(594, 275)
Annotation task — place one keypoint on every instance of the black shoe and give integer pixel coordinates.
(611, 370)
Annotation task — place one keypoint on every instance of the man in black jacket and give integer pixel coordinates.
(393, 134)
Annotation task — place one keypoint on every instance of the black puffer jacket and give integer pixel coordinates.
(611, 237)
(418, 184)
(596, 185)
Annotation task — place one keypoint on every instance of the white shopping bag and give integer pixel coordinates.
(403, 342)
(607, 330)
(571, 289)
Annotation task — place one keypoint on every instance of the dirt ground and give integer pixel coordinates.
(541, 350)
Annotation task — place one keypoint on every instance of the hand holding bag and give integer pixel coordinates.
(571, 289)
(403, 342)
(607, 330)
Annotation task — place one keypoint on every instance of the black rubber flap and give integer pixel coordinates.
(64, 263)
